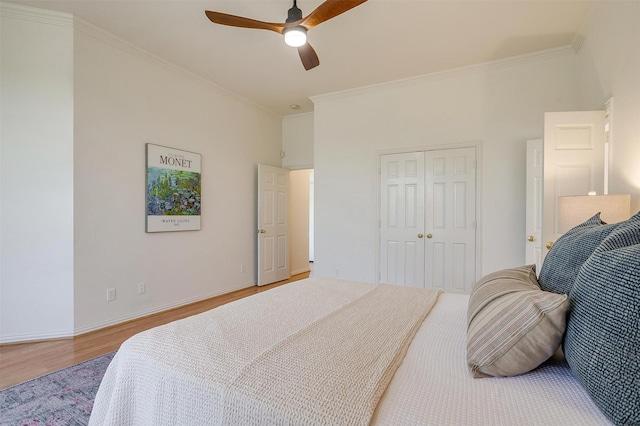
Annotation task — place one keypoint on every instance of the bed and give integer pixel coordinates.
(326, 351)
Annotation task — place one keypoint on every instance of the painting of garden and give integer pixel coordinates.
(172, 192)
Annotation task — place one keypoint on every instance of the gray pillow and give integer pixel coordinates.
(602, 342)
(561, 265)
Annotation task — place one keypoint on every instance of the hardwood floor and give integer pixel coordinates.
(20, 362)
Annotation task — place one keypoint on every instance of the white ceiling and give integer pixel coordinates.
(378, 41)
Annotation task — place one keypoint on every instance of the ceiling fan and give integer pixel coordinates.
(295, 27)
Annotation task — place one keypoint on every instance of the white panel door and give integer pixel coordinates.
(573, 162)
(533, 248)
(450, 219)
(428, 219)
(402, 219)
(273, 224)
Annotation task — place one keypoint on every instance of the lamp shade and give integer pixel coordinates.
(573, 210)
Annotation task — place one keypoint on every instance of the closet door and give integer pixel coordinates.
(428, 219)
(402, 219)
(450, 219)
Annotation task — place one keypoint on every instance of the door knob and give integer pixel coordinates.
(429, 235)
(531, 238)
(420, 235)
(549, 245)
(261, 231)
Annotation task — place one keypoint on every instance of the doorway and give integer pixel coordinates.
(301, 220)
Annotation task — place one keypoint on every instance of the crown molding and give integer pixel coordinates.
(586, 25)
(298, 116)
(567, 51)
(42, 16)
(26, 13)
(106, 37)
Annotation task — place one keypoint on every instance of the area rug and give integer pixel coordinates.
(64, 397)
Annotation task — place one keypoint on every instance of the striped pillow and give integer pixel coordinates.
(513, 326)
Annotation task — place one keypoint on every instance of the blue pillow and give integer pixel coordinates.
(602, 341)
(561, 265)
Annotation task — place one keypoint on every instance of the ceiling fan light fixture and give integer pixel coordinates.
(295, 36)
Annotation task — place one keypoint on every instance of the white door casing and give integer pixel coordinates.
(428, 219)
(402, 219)
(573, 162)
(273, 224)
(450, 219)
(533, 237)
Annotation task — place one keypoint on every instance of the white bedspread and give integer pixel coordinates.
(148, 385)
(434, 387)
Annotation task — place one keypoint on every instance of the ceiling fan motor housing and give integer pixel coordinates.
(295, 14)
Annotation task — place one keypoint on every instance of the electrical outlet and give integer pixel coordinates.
(142, 288)
(242, 269)
(111, 294)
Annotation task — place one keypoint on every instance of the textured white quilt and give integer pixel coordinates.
(318, 351)
(169, 375)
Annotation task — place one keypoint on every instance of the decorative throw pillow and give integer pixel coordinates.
(562, 264)
(602, 343)
(513, 326)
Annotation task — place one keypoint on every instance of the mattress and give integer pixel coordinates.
(165, 376)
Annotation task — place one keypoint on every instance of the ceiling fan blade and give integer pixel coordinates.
(239, 21)
(308, 56)
(327, 10)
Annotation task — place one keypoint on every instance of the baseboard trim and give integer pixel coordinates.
(98, 326)
(300, 271)
(36, 337)
(43, 337)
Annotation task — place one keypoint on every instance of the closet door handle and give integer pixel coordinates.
(420, 235)
(429, 236)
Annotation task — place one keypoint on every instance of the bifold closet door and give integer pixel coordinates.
(427, 219)
(402, 219)
(450, 219)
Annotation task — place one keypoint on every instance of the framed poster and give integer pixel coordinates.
(173, 189)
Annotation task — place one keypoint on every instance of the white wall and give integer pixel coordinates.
(78, 107)
(123, 100)
(609, 65)
(36, 166)
(499, 104)
(297, 141)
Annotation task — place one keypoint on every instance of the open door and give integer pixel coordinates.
(533, 248)
(573, 162)
(273, 224)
